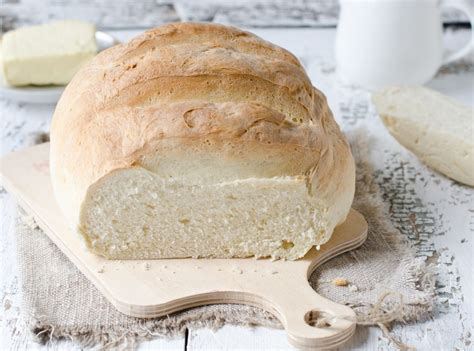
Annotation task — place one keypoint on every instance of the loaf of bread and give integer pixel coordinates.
(199, 140)
(436, 128)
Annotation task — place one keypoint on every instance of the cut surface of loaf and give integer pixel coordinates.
(436, 128)
(257, 216)
(199, 140)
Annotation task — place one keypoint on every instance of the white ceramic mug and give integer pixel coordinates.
(394, 42)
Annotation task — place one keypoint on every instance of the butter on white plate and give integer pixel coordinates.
(48, 54)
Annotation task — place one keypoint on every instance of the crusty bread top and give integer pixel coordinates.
(190, 91)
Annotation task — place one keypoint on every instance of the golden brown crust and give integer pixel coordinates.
(195, 89)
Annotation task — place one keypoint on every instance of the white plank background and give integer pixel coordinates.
(450, 246)
(145, 13)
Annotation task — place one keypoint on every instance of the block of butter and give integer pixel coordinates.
(46, 54)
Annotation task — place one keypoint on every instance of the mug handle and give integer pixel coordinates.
(465, 7)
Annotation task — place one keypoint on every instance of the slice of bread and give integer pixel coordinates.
(436, 128)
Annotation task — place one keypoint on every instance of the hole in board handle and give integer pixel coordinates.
(318, 319)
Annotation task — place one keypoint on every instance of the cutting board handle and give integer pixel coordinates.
(314, 321)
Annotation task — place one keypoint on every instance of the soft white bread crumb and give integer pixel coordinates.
(436, 128)
(169, 218)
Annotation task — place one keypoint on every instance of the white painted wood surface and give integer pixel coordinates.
(113, 14)
(447, 240)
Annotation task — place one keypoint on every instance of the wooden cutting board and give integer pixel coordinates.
(158, 287)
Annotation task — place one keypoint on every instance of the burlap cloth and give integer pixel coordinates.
(387, 283)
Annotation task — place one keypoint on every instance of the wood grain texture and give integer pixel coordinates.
(155, 288)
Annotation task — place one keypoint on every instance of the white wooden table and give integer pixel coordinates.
(448, 244)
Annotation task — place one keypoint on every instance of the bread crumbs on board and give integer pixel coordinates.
(340, 282)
